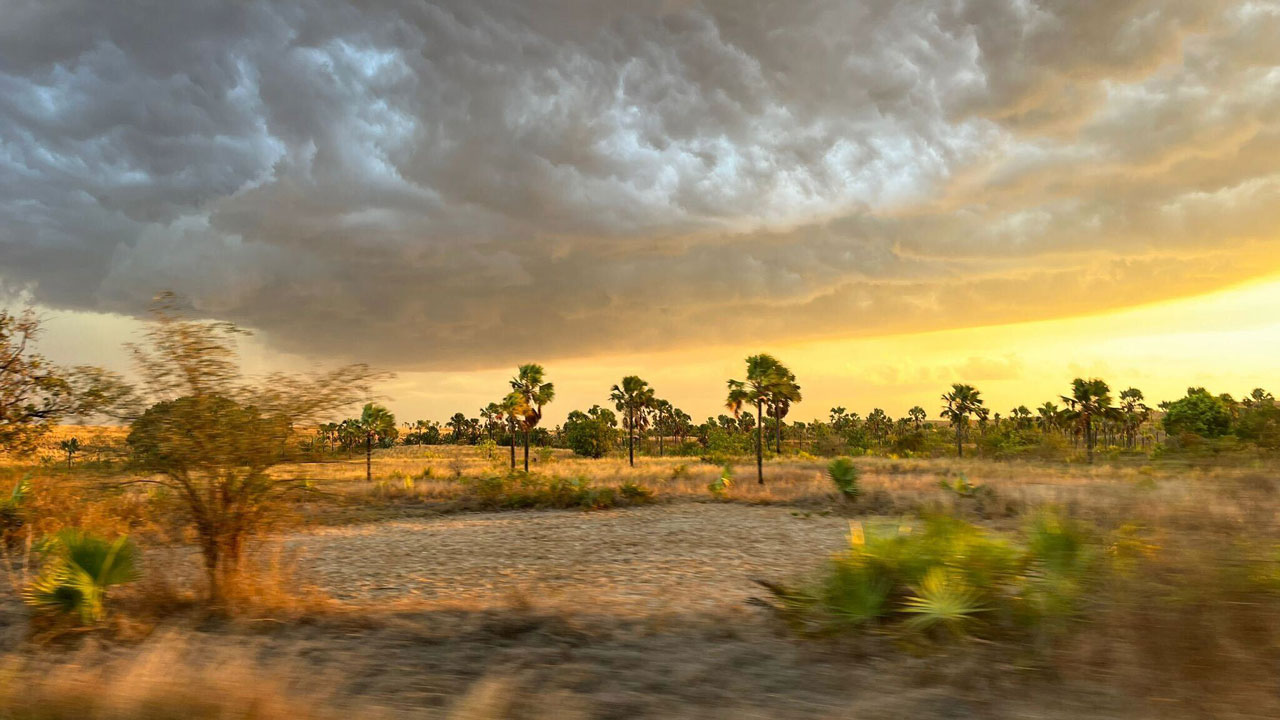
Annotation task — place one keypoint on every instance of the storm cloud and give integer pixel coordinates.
(466, 184)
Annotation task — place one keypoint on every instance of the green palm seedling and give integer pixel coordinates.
(79, 571)
(720, 486)
(844, 474)
(11, 518)
(942, 602)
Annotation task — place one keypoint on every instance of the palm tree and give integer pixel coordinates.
(1257, 397)
(663, 410)
(962, 402)
(535, 393)
(70, 447)
(1134, 413)
(632, 398)
(764, 376)
(1049, 416)
(918, 416)
(1089, 400)
(1021, 416)
(878, 424)
(376, 423)
(785, 392)
(513, 407)
(458, 424)
(492, 415)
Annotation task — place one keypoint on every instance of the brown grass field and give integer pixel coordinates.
(400, 598)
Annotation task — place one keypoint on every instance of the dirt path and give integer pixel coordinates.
(669, 558)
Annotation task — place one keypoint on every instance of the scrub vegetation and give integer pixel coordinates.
(1096, 556)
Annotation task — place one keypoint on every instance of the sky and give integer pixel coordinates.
(890, 196)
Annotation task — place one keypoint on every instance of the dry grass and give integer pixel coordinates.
(1179, 639)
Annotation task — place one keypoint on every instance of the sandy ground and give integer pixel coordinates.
(692, 557)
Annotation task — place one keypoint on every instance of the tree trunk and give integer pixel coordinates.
(760, 443)
(777, 418)
(959, 442)
(1088, 437)
(526, 451)
(661, 432)
(513, 448)
(368, 459)
(631, 439)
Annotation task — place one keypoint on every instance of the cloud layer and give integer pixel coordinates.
(464, 184)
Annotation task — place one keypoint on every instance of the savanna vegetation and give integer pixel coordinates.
(1096, 556)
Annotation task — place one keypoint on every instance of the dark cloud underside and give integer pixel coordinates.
(461, 184)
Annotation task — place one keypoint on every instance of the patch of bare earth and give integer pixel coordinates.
(691, 557)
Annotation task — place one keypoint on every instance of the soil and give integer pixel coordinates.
(691, 557)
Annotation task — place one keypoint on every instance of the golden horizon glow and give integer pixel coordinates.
(1226, 340)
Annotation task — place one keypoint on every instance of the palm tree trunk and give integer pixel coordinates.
(631, 439)
(526, 450)
(368, 459)
(513, 448)
(759, 443)
(777, 418)
(959, 442)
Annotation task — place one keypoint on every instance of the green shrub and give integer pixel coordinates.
(11, 515)
(947, 578)
(844, 474)
(528, 491)
(78, 570)
(719, 487)
(962, 488)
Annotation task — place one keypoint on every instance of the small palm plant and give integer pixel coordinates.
(70, 447)
(11, 516)
(78, 571)
(942, 601)
(720, 486)
(964, 488)
(844, 474)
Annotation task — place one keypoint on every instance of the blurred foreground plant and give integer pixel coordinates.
(211, 434)
(78, 570)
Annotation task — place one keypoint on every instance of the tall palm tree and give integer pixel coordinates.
(1050, 416)
(1021, 416)
(663, 412)
(458, 424)
(764, 375)
(878, 424)
(513, 408)
(917, 415)
(1134, 412)
(492, 416)
(785, 392)
(633, 397)
(963, 402)
(376, 423)
(1089, 400)
(528, 384)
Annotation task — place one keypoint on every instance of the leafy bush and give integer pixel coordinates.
(949, 578)
(1198, 413)
(78, 570)
(844, 474)
(528, 491)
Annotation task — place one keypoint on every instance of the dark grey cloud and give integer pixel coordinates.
(465, 183)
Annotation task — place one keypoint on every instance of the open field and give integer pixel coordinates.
(396, 599)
